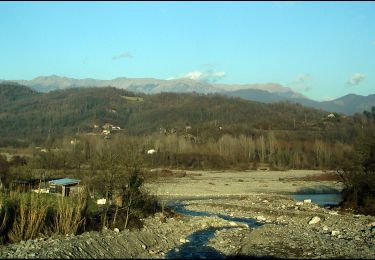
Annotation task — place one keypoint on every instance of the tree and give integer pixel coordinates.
(358, 175)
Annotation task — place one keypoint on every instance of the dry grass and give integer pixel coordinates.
(326, 176)
(26, 216)
(164, 173)
(69, 215)
(30, 213)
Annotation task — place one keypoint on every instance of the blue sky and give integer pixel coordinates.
(321, 49)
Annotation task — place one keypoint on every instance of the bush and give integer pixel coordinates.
(357, 173)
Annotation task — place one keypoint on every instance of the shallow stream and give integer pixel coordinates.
(196, 245)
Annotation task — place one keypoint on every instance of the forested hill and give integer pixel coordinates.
(26, 115)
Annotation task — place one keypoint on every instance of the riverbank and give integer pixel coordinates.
(288, 228)
(291, 229)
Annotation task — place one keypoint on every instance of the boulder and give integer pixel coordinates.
(314, 220)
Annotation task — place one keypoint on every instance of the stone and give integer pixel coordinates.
(233, 224)
(260, 218)
(372, 224)
(308, 201)
(314, 220)
(299, 203)
(325, 228)
(116, 230)
(335, 232)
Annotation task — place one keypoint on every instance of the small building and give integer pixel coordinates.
(25, 185)
(65, 187)
(35, 185)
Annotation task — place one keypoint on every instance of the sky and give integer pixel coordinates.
(323, 50)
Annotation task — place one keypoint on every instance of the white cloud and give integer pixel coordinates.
(327, 98)
(356, 78)
(127, 55)
(301, 83)
(207, 76)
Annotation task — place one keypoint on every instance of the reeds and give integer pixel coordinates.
(69, 215)
(29, 215)
(26, 216)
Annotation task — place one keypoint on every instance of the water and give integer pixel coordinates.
(197, 247)
(325, 199)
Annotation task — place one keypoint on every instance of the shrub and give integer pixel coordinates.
(357, 173)
(68, 215)
(29, 215)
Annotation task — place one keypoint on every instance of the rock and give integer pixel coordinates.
(299, 203)
(372, 224)
(233, 224)
(333, 213)
(308, 201)
(260, 218)
(314, 220)
(335, 232)
(325, 228)
(144, 246)
(116, 230)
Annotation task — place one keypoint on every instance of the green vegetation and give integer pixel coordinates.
(39, 118)
(61, 132)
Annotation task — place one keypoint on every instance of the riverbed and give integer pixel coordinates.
(253, 216)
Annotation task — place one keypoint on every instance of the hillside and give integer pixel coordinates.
(267, 93)
(37, 116)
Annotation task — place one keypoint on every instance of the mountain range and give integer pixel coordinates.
(266, 93)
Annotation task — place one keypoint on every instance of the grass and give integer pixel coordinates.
(69, 215)
(29, 215)
(30, 212)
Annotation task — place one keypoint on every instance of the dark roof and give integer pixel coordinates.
(32, 181)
